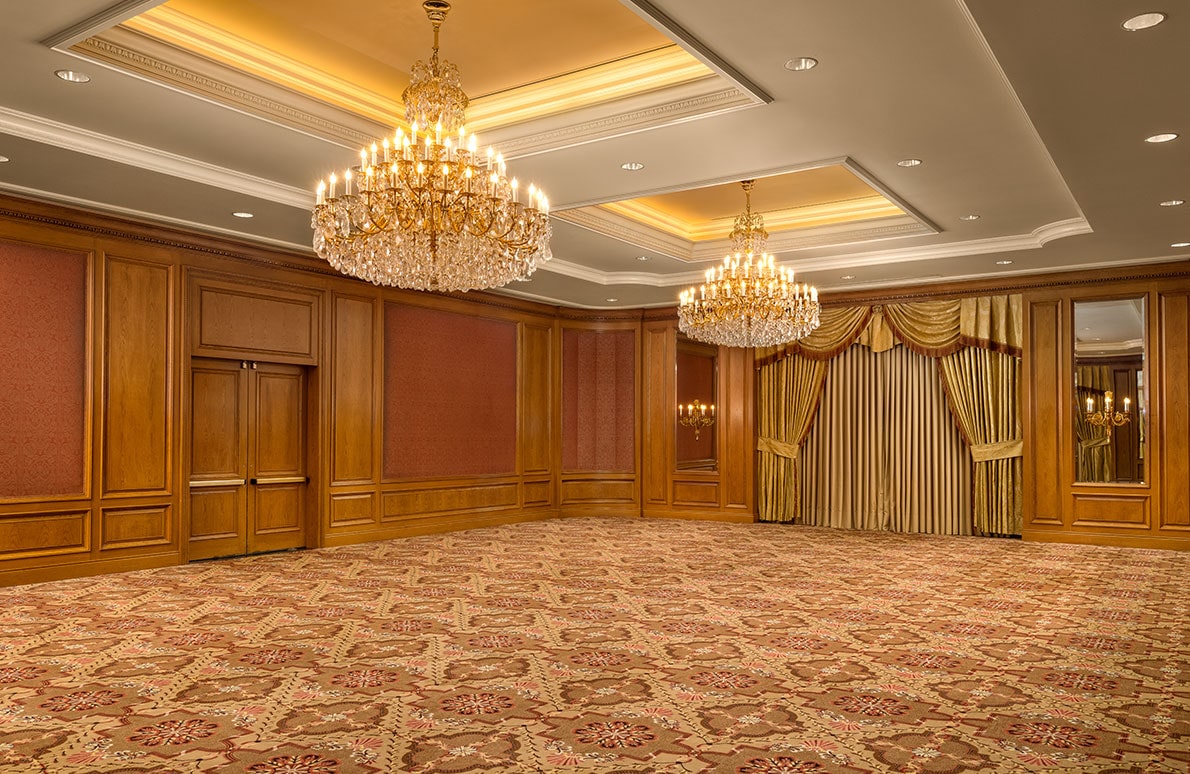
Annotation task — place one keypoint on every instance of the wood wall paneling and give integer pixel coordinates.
(598, 490)
(1111, 510)
(537, 399)
(234, 320)
(353, 509)
(696, 493)
(737, 429)
(353, 415)
(1174, 385)
(1044, 446)
(447, 499)
(138, 416)
(659, 420)
(537, 493)
(147, 526)
(27, 535)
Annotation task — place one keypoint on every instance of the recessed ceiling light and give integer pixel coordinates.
(909, 163)
(1180, 244)
(1003, 263)
(1173, 202)
(612, 300)
(801, 64)
(1163, 137)
(3, 159)
(243, 214)
(642, 257)
(632, 166)
(969, 217)
(1143, 21)
(73, 76)
(847, 276)
(1087, 328)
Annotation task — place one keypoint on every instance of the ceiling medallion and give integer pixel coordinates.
(748, 301)
(423, 210)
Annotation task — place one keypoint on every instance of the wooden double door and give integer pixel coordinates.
(248, 478)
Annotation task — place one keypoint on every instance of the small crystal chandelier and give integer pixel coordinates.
(424, 210)
(748, 301)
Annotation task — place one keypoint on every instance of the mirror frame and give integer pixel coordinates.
(1142, 410)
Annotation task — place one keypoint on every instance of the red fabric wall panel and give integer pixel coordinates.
(599, 401)
(449, 394)
(696, 381)
(43, 390)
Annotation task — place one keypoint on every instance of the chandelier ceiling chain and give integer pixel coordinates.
(424, 210)
(748, 301)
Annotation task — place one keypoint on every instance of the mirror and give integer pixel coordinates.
(1109, 384)
(697, 377)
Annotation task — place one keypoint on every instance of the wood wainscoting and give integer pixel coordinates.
(169, 325)
(1154, 512)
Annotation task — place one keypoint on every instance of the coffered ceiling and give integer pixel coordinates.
(1031, 116)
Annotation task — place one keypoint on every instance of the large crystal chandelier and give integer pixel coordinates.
(424, 210)
(748, 301)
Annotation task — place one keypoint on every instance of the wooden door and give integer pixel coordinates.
(276, 458)
(247, 458)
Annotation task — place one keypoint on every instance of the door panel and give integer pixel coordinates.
(277, 460)
(218, 459)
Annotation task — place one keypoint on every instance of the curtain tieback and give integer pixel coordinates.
(773, 446)
(1095, 443)
(986, 452)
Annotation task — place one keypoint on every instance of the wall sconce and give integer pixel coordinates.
(1107, 419)
(695, 415)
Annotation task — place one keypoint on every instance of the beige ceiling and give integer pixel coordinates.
(1030, 115)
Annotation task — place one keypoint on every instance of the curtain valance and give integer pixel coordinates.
(930, 328)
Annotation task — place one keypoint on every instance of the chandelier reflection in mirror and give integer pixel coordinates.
(424, 210)
(748, 301)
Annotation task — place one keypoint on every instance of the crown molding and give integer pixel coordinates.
(1006, 244)
(105, 19)
(73, 138)
(686, 98)
(133, 52)
(104, 208)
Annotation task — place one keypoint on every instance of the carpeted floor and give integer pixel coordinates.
(610, 646)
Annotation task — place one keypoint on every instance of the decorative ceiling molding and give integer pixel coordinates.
(105, 19)
(106, 208)
(73, 138)
(133, 52)
(634, 110)
(667, 25)
(775, 220)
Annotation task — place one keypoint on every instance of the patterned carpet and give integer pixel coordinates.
(610, 646)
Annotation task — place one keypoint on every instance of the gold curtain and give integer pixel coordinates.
(932, 328)
(787, 395)
(1094, 456)
(884, 453)
(982, 387)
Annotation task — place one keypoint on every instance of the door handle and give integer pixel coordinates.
(218, 482)
(281, 480)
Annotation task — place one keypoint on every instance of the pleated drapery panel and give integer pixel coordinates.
(885, 453)
(983, 389)
(931, 328)
(1094, 457)
(787, 395)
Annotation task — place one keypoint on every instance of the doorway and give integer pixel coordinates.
(248, 476)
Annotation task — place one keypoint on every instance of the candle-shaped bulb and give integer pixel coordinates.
(1090, 405)
(321, 191)
(1127, 401)
(712, 409)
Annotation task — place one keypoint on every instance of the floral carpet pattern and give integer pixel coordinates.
(610, 645)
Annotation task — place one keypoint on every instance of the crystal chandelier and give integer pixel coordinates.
(748, 301)
(423, 210)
